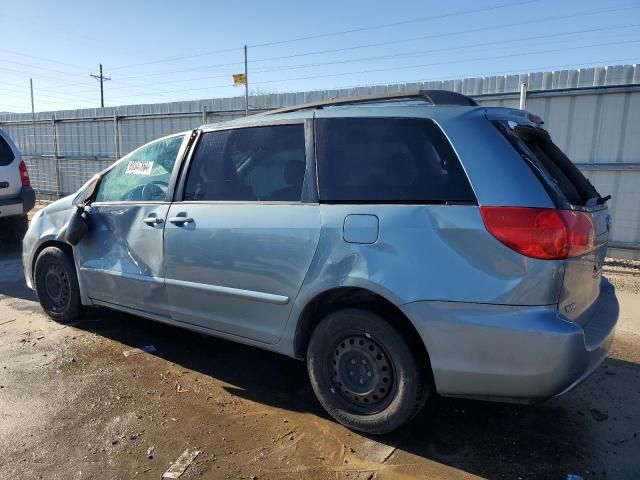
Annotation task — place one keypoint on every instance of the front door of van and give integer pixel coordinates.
(240, 241)
(120, 258)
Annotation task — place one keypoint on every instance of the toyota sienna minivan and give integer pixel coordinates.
(402, 245)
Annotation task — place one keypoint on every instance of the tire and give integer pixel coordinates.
(14, 229)
(56, 284)
(365, 373)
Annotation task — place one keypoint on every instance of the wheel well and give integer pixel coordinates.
(353, 297)
(49, 243)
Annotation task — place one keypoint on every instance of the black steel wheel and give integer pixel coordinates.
(57, 284)
(365, 373)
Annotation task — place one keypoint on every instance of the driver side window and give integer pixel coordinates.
(143, 175)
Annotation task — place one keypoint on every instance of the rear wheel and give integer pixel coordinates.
(57, 285)
(13, 229)
(365, 373)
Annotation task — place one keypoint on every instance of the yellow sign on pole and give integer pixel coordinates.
(239, 79)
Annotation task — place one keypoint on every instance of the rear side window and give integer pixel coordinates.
(387, 160)
(551, 165)
(6, 154)
(252, 164)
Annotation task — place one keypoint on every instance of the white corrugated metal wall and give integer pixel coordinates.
(593, 114)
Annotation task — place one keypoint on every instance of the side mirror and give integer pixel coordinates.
(86, 192)
(77, 226)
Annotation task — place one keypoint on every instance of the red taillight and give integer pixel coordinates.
(543, 233)
(582, 232)
(24, 175)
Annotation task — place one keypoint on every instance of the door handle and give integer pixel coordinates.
(153, 221)
(180, 221)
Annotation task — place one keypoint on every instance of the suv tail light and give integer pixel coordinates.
(24, 174)
(543, 233)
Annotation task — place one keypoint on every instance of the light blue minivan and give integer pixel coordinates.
(402, 245)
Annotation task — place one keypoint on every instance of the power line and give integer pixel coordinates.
(422, 37)
(404, 67)
(395, 24)
(532, 69)
(49, 69)
(56, 93)
(62, 81)
(40, 91)
(445, 34)
(330, 34)
(4, 89)
(131, 87)
(399, 55)
(393, 42)
(494, 57)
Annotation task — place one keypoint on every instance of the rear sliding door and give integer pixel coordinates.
(240, 239)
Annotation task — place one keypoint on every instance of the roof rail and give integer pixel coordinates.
(434, 97)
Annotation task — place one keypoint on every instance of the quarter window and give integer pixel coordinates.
(142, 175)
(6, 154)
(551, 165)
(249, 164)
(387, 160)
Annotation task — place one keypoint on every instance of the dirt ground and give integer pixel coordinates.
(73, 406)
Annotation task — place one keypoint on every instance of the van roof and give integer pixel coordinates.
(435, 104)
(421, 98)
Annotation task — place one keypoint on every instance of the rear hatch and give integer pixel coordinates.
(10, 182)
(571, 191)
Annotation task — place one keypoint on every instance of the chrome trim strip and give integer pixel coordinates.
(235, 292)
(130, 276)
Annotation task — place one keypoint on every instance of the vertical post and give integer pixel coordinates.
(56, 151)
(116, 135)
(101, 78)
(33, 117)
(204, 115)
(246, 85)
(523, 96)
(101, 88)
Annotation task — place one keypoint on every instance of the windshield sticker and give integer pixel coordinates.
(137, 167)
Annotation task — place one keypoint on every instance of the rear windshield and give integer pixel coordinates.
(387, 160)
(559, 175)
(6, 154)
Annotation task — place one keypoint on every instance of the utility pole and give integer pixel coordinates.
(246, 85)
(33, 115)
(102, 79)
(523, 96)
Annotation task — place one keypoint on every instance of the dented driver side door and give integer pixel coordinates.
(120, 258)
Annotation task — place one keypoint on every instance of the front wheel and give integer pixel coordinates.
(365, 373)
(57, 285)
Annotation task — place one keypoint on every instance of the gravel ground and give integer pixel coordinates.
(72, 406)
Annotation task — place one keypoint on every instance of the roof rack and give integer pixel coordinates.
(434, 97)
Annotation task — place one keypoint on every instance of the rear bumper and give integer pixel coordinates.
(19, 205)
(512, 353)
